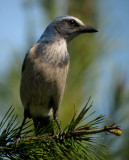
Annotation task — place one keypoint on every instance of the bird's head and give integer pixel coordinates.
(69, 27)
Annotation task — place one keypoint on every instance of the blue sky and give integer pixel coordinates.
(114, 30)
(13, 30)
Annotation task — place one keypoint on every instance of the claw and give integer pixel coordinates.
(61, 133)
(61, 136)
(17, 140)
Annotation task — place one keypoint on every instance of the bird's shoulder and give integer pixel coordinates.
(47, 53)
(32, 53)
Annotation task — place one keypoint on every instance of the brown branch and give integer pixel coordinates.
(108, 129)
(116, 130)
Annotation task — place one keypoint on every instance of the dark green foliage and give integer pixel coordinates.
(51, 147)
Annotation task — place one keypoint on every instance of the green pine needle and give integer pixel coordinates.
(80, 147)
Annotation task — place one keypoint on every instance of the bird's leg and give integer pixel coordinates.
(18, 136)
(61, 133)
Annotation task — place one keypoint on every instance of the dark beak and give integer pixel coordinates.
(88, 29)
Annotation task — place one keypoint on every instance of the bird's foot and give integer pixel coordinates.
(17, 140)
(61, 135)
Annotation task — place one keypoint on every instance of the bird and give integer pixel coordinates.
(45, 69)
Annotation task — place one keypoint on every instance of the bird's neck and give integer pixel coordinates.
(56, 50)
(50, 35)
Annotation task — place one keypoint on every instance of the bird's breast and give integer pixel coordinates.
(42, 83)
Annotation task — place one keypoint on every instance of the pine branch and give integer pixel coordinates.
(116, 130)
(78, 140)
(108, 129)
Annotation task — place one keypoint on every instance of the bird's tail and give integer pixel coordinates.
(43, 125)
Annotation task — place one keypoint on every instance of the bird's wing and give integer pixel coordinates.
(23, 65)
(32, 49)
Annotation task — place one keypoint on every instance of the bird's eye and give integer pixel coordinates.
(72, 22)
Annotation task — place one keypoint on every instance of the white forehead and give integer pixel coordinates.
(68, 17)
